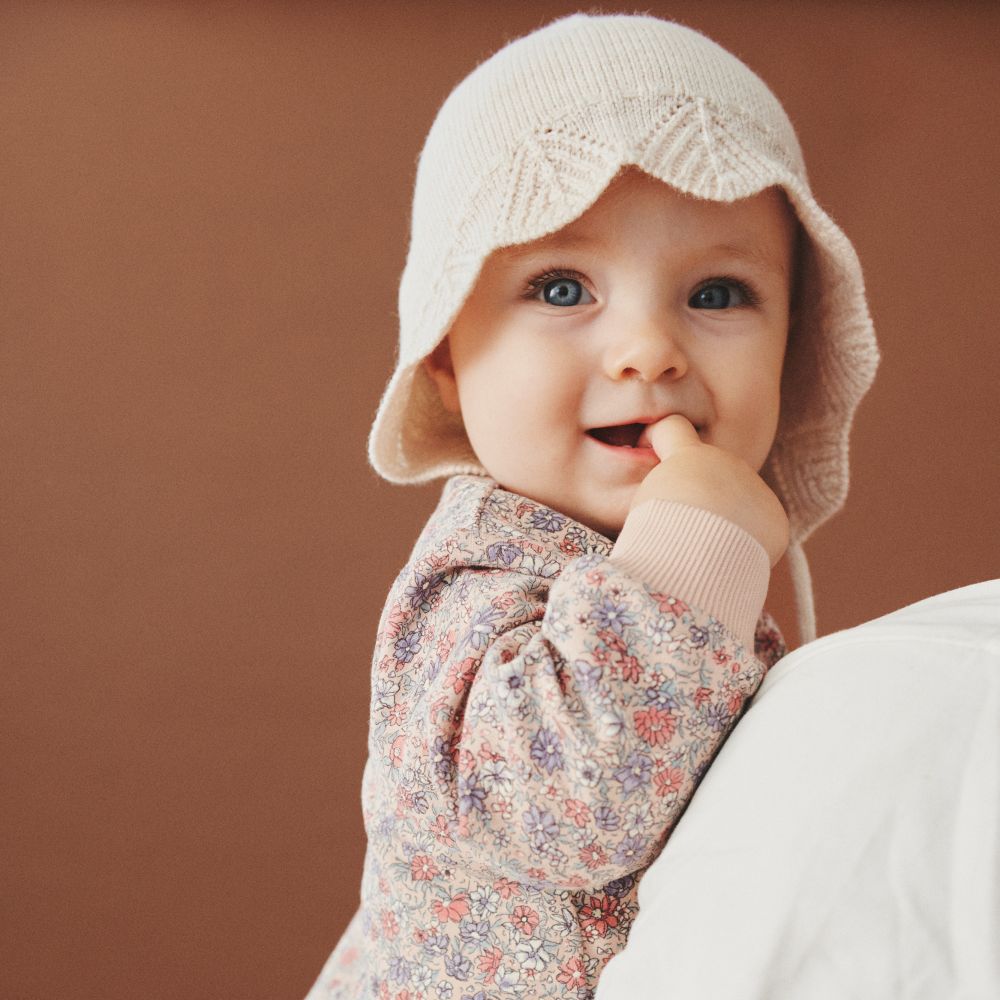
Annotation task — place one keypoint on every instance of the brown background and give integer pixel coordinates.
(204, 212)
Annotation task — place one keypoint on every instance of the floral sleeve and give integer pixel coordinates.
(556, 727)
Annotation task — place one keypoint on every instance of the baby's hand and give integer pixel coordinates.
(702, 475)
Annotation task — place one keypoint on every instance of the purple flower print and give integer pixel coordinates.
(699, 636)
(548, 520)
(503, 552)
(481, 627)
(546, 750)
(662, 698)
(613, 616)
(471, 795)
(540, 826)
(436, 944)
(444, 765)
(588, 675)
(458, 966)
(399, 969)
(423, 589)
(630, 851)
(475, 933)
(717, 717)
(634, 772)
(407, 646)
(619, 886)
(481, 995)
(606, 818)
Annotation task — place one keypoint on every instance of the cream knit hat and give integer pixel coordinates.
(531, 138)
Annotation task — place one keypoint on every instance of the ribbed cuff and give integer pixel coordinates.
(699, 557)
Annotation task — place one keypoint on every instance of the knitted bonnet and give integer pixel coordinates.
(531, 138)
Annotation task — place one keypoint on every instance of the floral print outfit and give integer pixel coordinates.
(539, 719)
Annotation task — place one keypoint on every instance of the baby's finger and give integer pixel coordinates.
(671, 434)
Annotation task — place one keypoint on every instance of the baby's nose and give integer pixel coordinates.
(648, 350)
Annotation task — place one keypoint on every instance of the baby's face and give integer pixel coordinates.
(648, 304)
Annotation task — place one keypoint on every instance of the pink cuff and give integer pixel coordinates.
(698, 557)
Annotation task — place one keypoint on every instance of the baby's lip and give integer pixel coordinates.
(633, 433)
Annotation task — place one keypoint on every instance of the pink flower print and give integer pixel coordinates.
(655, 726)
(525, 919)
(488, 963)
(599, 915)
(440, 830)
(668, 781)
(506, 887)
(593, 856)
(461, 674)
(578, 812)
(422, 868)
(570, 546)
(721, 657)
(394, 621)
(398, 713)
(445, 644)
(572, 974)
(396, 751)
(390, 925)
(454, 911)
(702, 695)
(631, 669)
(671, 605)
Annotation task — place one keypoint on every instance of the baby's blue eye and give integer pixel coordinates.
(720, 295)
(563, 292)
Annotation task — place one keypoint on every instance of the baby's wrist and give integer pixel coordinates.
(698, 556)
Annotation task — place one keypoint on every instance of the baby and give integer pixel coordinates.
(635, 344)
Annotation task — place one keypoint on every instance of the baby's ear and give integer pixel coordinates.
(439, 366)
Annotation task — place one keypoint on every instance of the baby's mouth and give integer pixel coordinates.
(620, 435)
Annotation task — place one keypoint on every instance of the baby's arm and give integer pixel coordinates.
(567, 728)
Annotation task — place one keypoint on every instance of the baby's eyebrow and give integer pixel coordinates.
(556, 242)
(752, 255)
